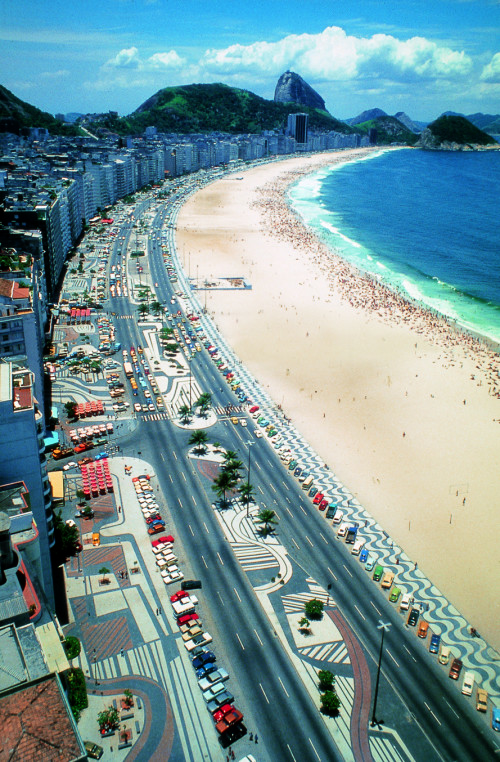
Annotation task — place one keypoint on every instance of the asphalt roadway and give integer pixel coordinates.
(432, 709)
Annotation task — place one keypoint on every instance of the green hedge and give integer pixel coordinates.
(77, 691)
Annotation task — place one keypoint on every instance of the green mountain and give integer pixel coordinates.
(455, 129)
(16, 114)
(389, 130)
(215, 108)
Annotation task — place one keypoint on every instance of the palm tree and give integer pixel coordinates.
(156, 308)
(232, 467)
(185, 413)
(166, 333)
(222, 483)
(267, 518)
(204, 402)
(143, 310)
(247, 493)
(199, 439)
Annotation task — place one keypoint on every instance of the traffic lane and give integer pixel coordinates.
(405, 665)
(213, 562)
(255, 652)
(318, 557)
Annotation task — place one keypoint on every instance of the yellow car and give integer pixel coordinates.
(234, 420)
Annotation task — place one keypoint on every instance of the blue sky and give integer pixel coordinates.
(95, 55)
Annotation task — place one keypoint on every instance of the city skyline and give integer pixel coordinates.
(422, 59)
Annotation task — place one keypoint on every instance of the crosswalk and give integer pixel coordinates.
(229, 409)
(155, 417)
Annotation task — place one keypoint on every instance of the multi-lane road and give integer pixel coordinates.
(416, 698)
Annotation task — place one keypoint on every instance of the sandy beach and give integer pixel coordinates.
(399, 404)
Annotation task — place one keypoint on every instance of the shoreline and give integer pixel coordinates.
(387, 393)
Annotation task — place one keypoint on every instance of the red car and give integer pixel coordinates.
(254, 409)
(318, 498)
(222, 710)
(155, 517)
(185, 618)
(156, 528)
(179, 595)
(323, 505)
(167, 538)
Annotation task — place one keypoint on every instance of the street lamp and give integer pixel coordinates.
(384, 626)
(249, 443)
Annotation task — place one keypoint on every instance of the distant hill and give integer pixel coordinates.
(487, 122)
(215, 108)
(366, 116)
(291, 88)
(388, 130)
(16, 114)
(453, 132)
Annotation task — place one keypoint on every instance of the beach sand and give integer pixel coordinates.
(401, 407)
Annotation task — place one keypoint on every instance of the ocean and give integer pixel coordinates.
(426, 223)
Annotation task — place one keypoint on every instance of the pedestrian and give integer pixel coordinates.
(416, 565)
(397, 561)
(251, 736)
(256, 738)
(121, 652)
(119, 509)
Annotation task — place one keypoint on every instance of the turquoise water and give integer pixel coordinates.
(426, 223)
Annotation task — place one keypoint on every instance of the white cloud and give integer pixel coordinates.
(334, 55)
(129, 58)
(491, 72)
(55, 74)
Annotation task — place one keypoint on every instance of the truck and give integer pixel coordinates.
(351, 535)
(62, 452)
(127, 367)
(133, 384)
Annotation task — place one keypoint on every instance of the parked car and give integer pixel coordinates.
(481, 700)
(413, 617)
(215, 676)
(405, 602)
(185, 618)
(318, 497)
(204, 658)
(455, 669)
(212, 691)
(363, 556)
(422, 628)
(495, 719)
(206, 669)
(338, 517)
(342, 531)
(434, 644)
(222, 698)
(394, 596)
(370, 561)
(93, 750)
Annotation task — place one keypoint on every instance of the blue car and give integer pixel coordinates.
(434, 644)
(205, 669)
(203, 658)
(495, 719)
(363, 556)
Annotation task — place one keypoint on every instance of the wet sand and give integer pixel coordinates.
(400, 405)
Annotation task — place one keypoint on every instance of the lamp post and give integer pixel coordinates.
(249, 443)
(384, 626)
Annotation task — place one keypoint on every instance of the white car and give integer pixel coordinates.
(405, 602)
(243, 422)
(137, 407)
(342, 530)
(338, 517)
(258, 433)
(70, 523)
(69, 465)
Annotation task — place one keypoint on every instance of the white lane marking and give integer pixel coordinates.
(263, 691)
(161, 456)
(359, 612)
(288, 511)
(347, 570)
(272, 487)
(298, 548)
(281, 681)
(323, 537)
(392, 657)
(184, 476)
(190, 529)
(291, 752)
(409, 653)
(239, 641)
(221, 598)
(204, 562)
(237, 595)
(208, 530)
(194, 501)
(179, 501)
(170, 477)
(314, 749)
(173, 453)
(220, 559)
(333, 575)
(258, 638)
(455, 713)
(430, 710)
(303, 511)
(376, 609)
(309, 541)
(260, 488)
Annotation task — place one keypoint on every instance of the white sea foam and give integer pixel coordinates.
(336, 231)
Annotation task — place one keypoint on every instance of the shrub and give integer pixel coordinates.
(77, 691)
(314, 609)
(72, 647)
(330, 703)
(326, 679)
